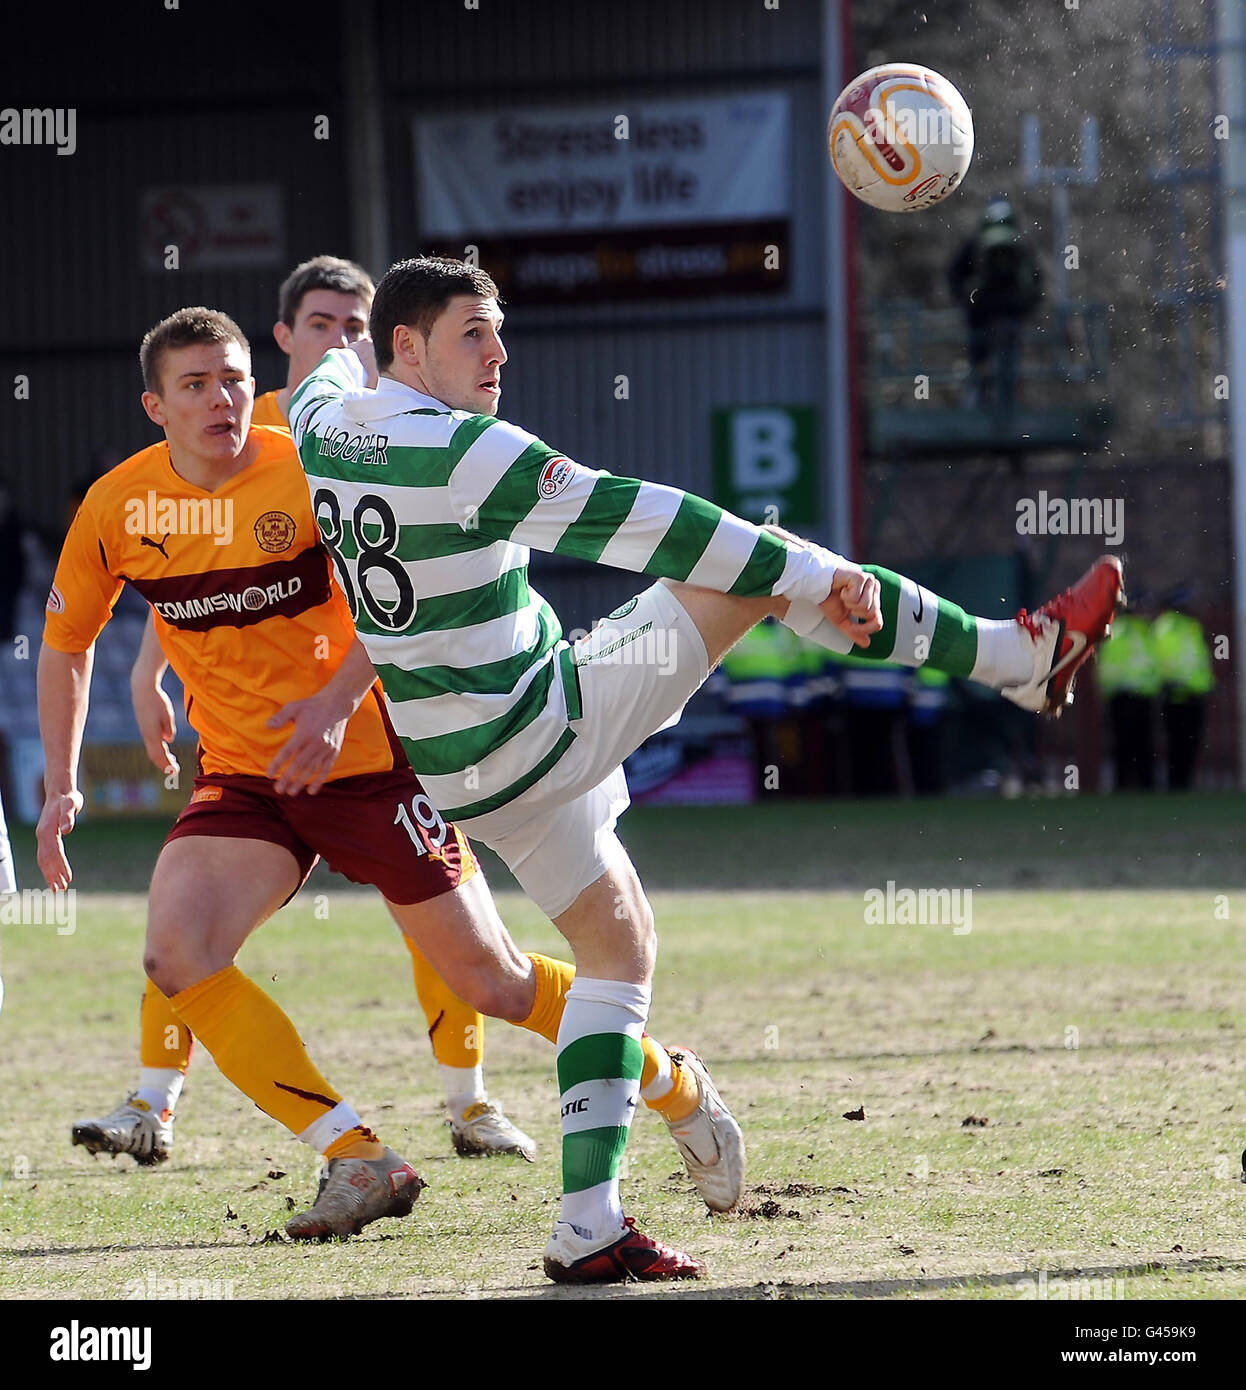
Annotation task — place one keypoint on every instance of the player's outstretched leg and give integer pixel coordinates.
(1032, 659)
(142, 1125)
(456, 1032)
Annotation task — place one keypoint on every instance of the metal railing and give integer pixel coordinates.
(1064, 345)
(919, 394)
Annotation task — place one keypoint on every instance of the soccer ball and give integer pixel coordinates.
(900, 137)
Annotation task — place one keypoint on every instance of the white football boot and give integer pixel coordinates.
(709, 1140)
(133, 1128)
(483, 1129)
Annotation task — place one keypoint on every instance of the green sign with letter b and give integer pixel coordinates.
(766, 463)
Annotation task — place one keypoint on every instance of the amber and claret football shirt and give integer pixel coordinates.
(245, 605)
(266, 411)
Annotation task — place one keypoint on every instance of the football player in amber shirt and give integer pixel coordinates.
(214, 527)
(322, 303)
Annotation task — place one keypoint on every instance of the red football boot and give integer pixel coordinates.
(1065, 630)
(570, 1259)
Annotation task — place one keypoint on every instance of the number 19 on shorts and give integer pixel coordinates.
(427, 816)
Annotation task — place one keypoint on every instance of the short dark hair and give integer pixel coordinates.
(321, 273)
(414, 292)
(184, 329)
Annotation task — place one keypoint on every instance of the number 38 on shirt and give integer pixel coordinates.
(363, 549)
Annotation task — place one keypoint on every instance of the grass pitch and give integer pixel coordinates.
(1056, 1091)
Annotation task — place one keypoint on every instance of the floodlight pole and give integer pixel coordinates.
(842, 391)
(365, 137)
(1231, 36)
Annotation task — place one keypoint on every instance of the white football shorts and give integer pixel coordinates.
(637, 670)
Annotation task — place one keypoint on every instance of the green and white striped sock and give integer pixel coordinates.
(922, 629)
(599, 1064)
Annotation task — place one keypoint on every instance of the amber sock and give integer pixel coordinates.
(455, 1030)
(256, 1046)
(165, 1045)
(553, 980)
(164, 1040)
(356, 1143)
(665, 1085)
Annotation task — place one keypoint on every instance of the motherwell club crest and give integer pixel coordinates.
(275, 532)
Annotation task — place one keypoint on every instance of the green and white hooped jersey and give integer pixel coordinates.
(429, 514)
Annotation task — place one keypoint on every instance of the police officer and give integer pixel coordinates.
(1130, 682)
(1186, 672)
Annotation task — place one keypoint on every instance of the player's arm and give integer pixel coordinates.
(308, 755)
(81, 602)
(64, 685)
(153, 710)
(546, 501)
(339, 371)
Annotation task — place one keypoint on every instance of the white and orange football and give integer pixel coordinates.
(900, 137)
